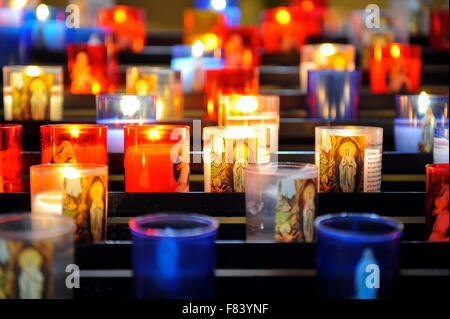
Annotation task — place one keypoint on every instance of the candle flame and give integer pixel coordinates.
(95, 87)
(42, 12)
(218, 5)
(70, 172)
(246, 104)
(120, 16)
(210, 41)
(424, 102)
(18, 4)
(74, 133)
(327, 49)
(154, 134)
(395, 51)
(129, 105)
(198, 49)
(283, 16)
(307, 6)
(33, 71)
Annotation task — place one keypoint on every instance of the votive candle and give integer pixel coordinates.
(10, 158)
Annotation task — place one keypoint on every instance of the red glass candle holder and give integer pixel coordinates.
(157, 158)
(227, 81)
(92, 68)
(312, 13)
(395, 68)
(205, 26)
(127, 25)
(241, 46)
(10, 158)
(436, 202)
(439, 29)
(283, 29)
(74, 143)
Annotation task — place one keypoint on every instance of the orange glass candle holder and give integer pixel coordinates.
(283, 29)
(74, 143)
(79, 191)
(395, 68)
(127, 25)
(228, 81)
(205, 26)
(157, 158)
(92, 68)
(10, 158)
(241, 46)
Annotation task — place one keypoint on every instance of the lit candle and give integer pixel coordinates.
(330, 56)
(74, 143)
(349, 158)
(439, 30)
(228, 81)
(79, 191)
(417, 116)
(33, 93)
(395, 68)
(10, 158)
(241, 46)
(157, 158)
(117, 110)
(204, 25)
(229, 9)
(226, 153)
(192, 62)
(253, 110)
(162, 83)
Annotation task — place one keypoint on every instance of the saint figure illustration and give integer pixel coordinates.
(97, 209)
(428, 124)
(347, 172)
(31, 280)
(238, 171)
(65, 154)
(308, 213)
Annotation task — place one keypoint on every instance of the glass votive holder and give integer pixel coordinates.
(117, 110)
(15, 45)
(436, 202)
(439, 29)
(416, 118)
(79, 191)
(92, 68)
(227, 81)
(157, 158)
(395, 68)
(283, 30)
(33, 93)
(333, 94)
(440, 146)
(252, 110)
(163, 83)
(349, 158)
(35, 250)
(74, 143)
(173, 256)
(10, 158)
(357, 256)
(226, 153)
(192, 62)
(127, 24)
(281, 202)
(203, 25)
(329, 56)
(241, 46)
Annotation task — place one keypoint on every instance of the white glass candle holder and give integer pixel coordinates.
(33, 93)
(226, 153)
(440, 146)
(349, 158)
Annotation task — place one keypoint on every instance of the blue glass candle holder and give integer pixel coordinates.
(15, 44)
(416, 118)
(333, 94)
(86, 34)
(229, 8)
(357, 256)
(173, 256)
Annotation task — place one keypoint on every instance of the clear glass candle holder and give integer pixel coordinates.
(173, 256)
(10, 158)
(117, 110)
(162, 83)
(74, 143)
(329, 56)
(33, 93)
(35, 250)
(417, 117)
(79, 191)
(157, 158)
(349, 158)
(333, 94)
(281, 202)
(436, 202)
(226, 153)
(440, 146)
(357, 256)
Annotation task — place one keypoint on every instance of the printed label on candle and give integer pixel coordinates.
(85, 200)
(295, 210)
(65, 154)
(342, 163)
(31, 94)
(372, 170)
(229, 157)
(25, 269)
(437, 213)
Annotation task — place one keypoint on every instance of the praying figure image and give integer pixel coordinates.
(238, 171)
(347, 172)
(31, 280)
(39, 99)
(428, 124)
(309, 210)
(97, 208)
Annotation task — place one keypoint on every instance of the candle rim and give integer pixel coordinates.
(84, 168)
(358, 236)
(354, 128)
(64, 225)
(75, 125)
(8, 126)
(288, 169)
(437, 167)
